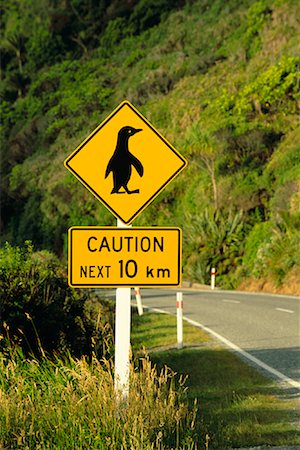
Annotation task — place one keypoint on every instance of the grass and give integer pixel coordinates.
(237, 405)
(65, 403)
(159, 330)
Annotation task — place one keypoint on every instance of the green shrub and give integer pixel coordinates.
(275, 87)
(257, 16)
(258, 236)
(282, 253)
(38, 309)
(43, 48)
(149, 13)
(216, 240)
(272, 248)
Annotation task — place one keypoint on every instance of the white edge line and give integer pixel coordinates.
(268, 294)
(234, 347)
(230, 301)
(285, 310)
(208, 290)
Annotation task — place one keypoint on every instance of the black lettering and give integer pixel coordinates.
(83, 271)
(104, 244)
(145, 248)
(128, 238)
(149, 272)
(158, 244)
(91, 271)
(115, 249)
(130, 272)
(163, 272)
(89, 242)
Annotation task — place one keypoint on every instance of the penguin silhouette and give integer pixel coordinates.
(121, 162)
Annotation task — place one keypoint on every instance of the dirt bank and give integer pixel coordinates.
(290, 285)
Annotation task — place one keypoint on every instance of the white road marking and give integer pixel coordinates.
(160, 311)
(247, 355)
(237, 349)
(291, 297)
(285, 310)
(231, 301)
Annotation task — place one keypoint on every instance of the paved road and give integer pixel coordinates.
(265, 327)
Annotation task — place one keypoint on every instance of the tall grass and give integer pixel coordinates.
(70, 403)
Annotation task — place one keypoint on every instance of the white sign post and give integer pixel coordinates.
(122, 338)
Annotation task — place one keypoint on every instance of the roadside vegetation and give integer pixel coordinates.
(221, 82)
(236, 405)
(56, 374)
(56, 369)
(199, 397)
(62, 402)
(40, 313)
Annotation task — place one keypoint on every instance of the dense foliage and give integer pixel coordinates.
(69, 403)
(40, 313)
(219, 79)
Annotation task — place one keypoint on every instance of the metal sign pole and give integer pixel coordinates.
(122, 338)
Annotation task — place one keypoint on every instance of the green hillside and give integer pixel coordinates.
(220, 80)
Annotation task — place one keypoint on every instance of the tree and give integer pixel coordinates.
(205, 150)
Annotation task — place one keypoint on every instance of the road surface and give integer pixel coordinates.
(262, 328)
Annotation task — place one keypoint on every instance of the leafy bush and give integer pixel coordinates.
(40, 312)
(257, 16)
(274, 86)
(43, 48)
(216, 241)
(279, 252)
(149, 13)
(258, 236)
(271, 249)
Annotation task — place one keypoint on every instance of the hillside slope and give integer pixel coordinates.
(219, 79)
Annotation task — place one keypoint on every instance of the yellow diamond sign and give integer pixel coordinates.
(125, 162)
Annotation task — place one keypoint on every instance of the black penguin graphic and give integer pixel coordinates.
(122, 160)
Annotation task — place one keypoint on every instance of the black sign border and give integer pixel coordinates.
(127, 222)
(128, 230)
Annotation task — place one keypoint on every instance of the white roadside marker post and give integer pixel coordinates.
(179, 306)
(122, 338)
(138, 297)
(213, 278)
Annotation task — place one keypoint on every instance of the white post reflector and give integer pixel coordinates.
(122, 338)
(213, 278)
(138, 297)
(179, 307)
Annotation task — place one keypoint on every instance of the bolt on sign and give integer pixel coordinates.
(110, 256)
(125, 162)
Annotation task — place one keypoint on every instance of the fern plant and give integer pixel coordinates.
(217, 241)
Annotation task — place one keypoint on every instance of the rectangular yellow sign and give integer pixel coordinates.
(110, 256)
